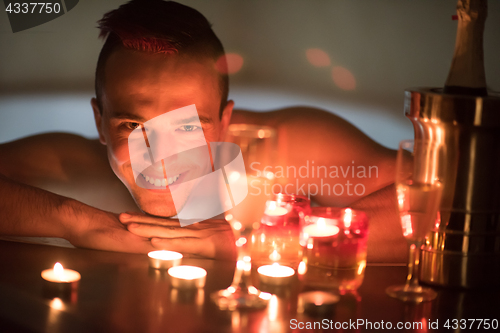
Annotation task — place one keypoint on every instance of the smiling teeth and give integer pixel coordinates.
(161, 182)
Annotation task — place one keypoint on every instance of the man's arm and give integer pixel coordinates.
(323, 155)
(26, 210)
(385, 238)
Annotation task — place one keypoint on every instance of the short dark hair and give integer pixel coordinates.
(159, 26)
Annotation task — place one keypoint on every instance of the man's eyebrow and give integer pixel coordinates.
(128, 116)
(203, 120)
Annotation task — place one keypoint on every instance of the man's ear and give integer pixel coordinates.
(226, 119)
(98, 119)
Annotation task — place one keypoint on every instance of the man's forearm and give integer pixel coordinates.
(30, 211)
(385, 241)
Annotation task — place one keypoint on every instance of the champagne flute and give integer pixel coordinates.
(257, 144)
(419, 185)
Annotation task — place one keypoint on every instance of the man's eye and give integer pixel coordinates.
(188, 128)
(132, 125)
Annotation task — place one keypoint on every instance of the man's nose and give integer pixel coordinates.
(162, 145)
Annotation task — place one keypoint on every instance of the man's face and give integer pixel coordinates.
(140, 86)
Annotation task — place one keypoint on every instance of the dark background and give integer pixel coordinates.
(47, 72)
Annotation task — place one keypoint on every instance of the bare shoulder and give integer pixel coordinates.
(319, 132)
(68, 165)
(51, 156)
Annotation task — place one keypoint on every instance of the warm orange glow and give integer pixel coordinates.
(343, 78)
(318, 58)
(406, 223)
(57, 304)
(361, 267)
(241, 241)
(273, 308)
(237, 225)
(252, 290)
(234, 63)
(265, 296)
(302, 268)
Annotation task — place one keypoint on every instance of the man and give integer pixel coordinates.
(158, 57)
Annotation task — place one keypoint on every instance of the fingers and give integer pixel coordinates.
(141, 218)
(189, 245)
(116, 241)
(152, 230)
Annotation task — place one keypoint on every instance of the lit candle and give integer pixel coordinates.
(320, 229)
(164, 259)
(272, 209)
(60, 282)
(334, 248)
(275, 274)
(185, 277)
(274, 215)
(60, 275)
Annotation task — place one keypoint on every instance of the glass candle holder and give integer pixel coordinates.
(277, 239)
(334, 243)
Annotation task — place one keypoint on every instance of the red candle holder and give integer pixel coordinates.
(277, 239)
(334, 243)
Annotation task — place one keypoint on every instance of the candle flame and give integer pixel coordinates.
(347, 217)
(275, 256)
(59, 271)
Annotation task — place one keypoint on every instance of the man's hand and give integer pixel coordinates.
(102, 230)
(210, 238)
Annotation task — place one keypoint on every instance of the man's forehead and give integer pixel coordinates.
(141, 67)
(141, 81)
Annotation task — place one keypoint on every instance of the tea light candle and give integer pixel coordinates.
(60, 275)
(273, 210)
(185, 277)
(60, 282)
(274, 214)
(321, 229)
(317, 302)
(164, 259)
(275, 274)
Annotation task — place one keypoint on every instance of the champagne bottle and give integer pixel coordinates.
(466, 76)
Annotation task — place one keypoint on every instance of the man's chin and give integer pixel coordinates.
(157, 202)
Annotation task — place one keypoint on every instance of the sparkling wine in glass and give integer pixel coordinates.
(420, 171)
(258, 145)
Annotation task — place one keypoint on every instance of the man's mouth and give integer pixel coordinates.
(161, 182)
